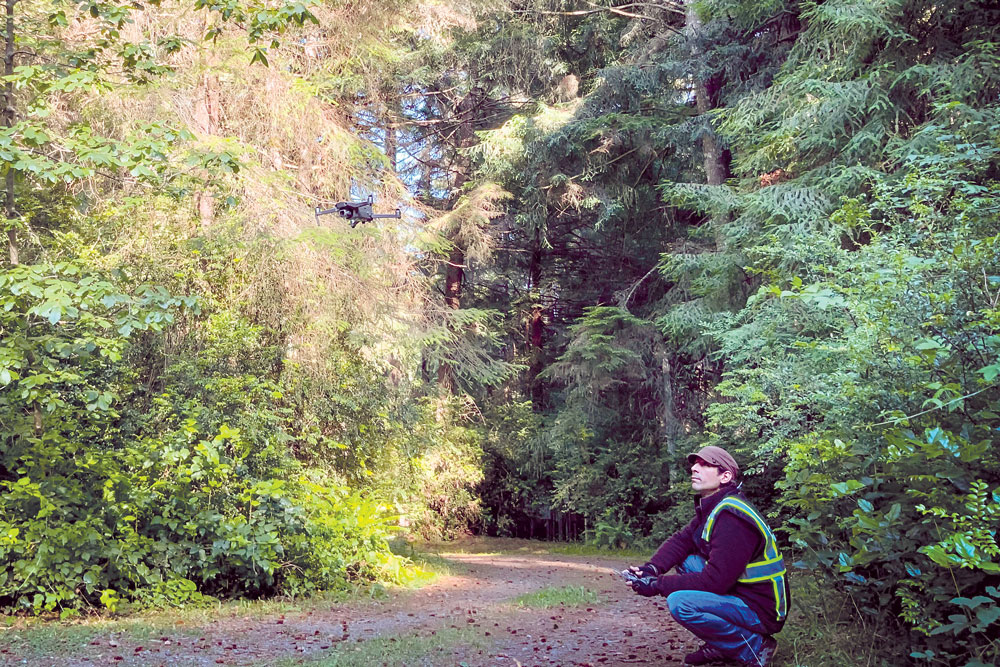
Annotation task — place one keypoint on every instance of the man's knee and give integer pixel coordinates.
(683, 605)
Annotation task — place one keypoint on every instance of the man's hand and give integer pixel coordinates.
(647, 570)
(642, 579)
(645, 586)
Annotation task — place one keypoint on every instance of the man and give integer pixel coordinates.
(730, 587)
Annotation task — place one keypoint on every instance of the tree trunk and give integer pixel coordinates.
(536, 326)
(391, 143)
(706, 91)
(207, 120)
(454, 272)
(8, 121)
(669, 424)
(465, 137)
(716, 158)
(453, 278)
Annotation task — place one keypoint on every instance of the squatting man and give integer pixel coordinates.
(730, 586)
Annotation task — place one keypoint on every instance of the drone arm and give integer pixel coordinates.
(355, 212)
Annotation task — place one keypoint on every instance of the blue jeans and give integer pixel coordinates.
(724, 622)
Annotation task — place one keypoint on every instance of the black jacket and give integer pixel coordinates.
(735, 542)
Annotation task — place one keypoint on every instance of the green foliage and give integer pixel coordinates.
(448, 469)
(611, 532)
(175, 520)
(511, 486)
(604, 448)
(63, 325)
(162, 450)
(111, 495)
(43, 145)
(824, 629)
(868, 370)
(829, 310)
(466, 340)
(967, 541)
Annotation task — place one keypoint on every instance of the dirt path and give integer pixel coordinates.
(468, 617)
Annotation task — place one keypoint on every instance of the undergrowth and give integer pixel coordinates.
(824, 629)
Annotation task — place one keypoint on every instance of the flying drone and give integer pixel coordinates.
(356, 211)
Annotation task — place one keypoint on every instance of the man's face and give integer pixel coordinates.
(706, 478)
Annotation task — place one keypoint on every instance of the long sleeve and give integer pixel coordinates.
(733, 544)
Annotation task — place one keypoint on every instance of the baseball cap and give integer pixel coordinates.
(716, 456)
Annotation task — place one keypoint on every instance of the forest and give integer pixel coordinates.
(627, 230)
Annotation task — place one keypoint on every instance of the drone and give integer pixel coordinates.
(356, 211)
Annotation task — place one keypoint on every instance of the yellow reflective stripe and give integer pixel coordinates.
(750, 574)
(736, 504)
(764, 578)
(757, 571)
(777, 579)
(708, 524)
(768, 561)
(769, 540)
(746, 509)
(781, 604)
(777, 597)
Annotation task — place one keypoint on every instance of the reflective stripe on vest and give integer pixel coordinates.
(772, 567)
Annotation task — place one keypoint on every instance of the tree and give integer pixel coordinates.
(44, 147)
(137, 446)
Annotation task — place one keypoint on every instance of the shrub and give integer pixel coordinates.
(109, 497)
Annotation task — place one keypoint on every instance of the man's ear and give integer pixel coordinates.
(726, 477)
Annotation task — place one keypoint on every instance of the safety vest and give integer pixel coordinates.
(772, 567)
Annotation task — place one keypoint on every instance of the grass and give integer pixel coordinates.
(553, 597)
(824, 629)
(581, 549)
(41, 637)
(432, 563)
(402, 650)
(36, 638)
(496, 546)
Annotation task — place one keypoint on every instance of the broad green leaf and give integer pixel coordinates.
(990, 372)
(846, 488)
(972, 603)
(988, 615)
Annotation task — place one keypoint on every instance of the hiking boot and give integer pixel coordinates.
(765, 655)
(706, 655)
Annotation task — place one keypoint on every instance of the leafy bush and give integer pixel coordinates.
(446, 471)
(110, 497)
